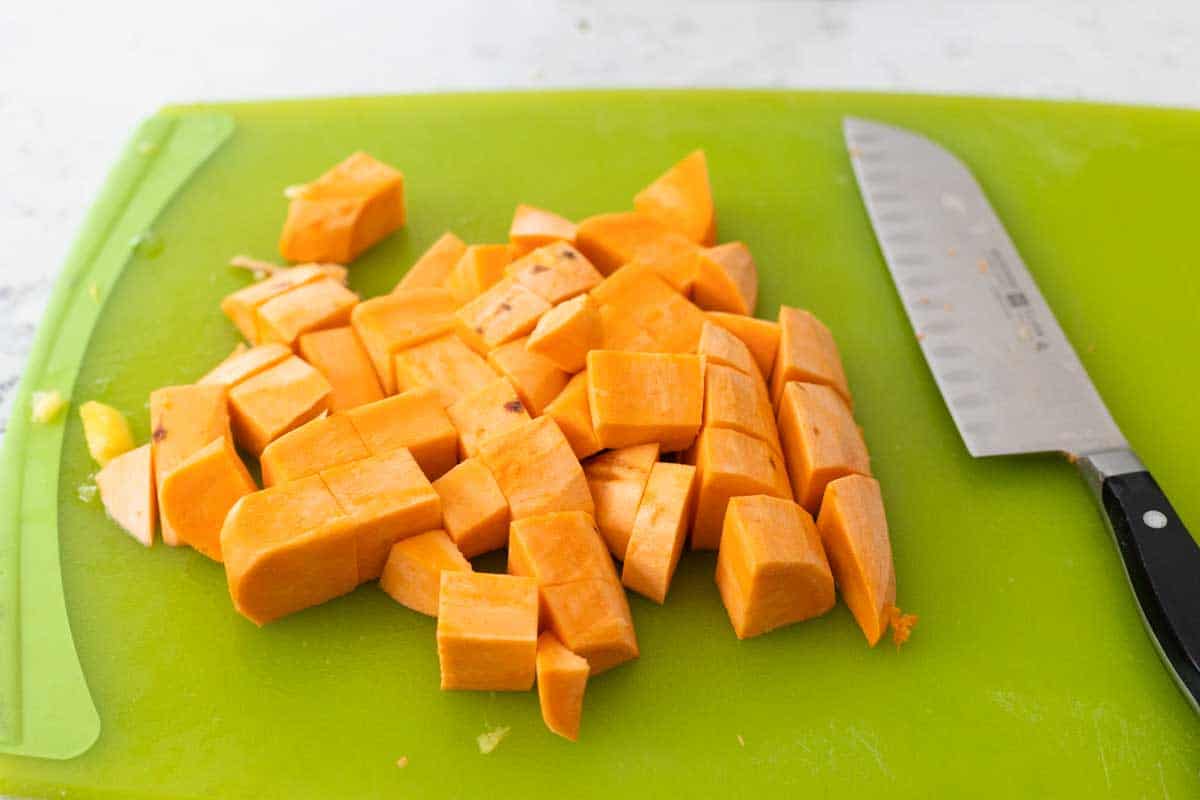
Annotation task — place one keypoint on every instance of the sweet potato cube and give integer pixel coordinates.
(535, 378)
(561, 681)
(241, 306)
(384, 499)
(726, 279)
(316, 445)
(487, 631)
(433, 267)
(127, 490)
(760, 335)
(591, 617)
(506, 311)
(406, 317)
(485, 413)
(771, 568)
(414, 420)
(639, 311)
(474, 511)
(574, 417)
(273, 402)
(659, 530)
(566, 332)
(555, 273)
(608, 240)
(287, 548)
(617, 480)
(533, 227)
(312, 307)
(854, 530)
(821, 441)
(445, 364)
(731, 464)
(637, 398)
(344, 212)
(339, 356)
(536, 470)
(183, 419)
(735, 400)
(413, 572)
(197, 494)
(479, 268)
(558, 548)
(807, 353)
(681, 198)
(720, 346)
(245, 362)
(674, 257)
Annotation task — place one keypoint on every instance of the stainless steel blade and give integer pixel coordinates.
(1009, 376)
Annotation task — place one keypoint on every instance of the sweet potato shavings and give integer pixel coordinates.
(902, 624)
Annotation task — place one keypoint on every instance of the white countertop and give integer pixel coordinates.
(71, 93)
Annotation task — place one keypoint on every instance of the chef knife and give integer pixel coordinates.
(1010, 378)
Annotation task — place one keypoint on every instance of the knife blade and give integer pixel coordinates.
(1006, 370)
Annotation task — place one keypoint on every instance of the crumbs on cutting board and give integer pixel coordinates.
(402, 762)
(490, 740)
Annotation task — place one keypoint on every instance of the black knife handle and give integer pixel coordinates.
(1162, 561)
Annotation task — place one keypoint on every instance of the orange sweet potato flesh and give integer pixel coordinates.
(560, 547)
(574, 417)
(414, 420)
(731, 464)
(674, 257)
(556, 272)
(412, 575)
(726, 279)
(807, 353)
(536, 470)
(479, 416)
(474, 511)
(344, 212)
(184, 419)
(534, 227)
(771, 568)
(197, 494)
(241, 306)
(821, 441)
(681, 198)
(316, 445)
(384, 499)
(479, 268)
(244, 363)
(561, 682)
(760, 335)
(659, 530)
(735, 400)
(339, 356)
(487, 631)
(566, 332)
(638, 398)
(609, 240)
(720, 346)
(325, 303)
(617, 480)
(406, 317)
(433, 267)
(854, 531)
(446, 364)
(287, 548)
(127, 490)
(592, 618)
(275, 401)
(640, 312)
(506, 311)
(536, 378)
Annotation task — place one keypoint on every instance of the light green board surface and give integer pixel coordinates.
(1029, 674)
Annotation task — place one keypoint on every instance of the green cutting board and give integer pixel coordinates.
(1029, 674)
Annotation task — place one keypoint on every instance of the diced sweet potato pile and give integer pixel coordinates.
(581, 395)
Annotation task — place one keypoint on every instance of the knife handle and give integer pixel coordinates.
(1162, 561)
